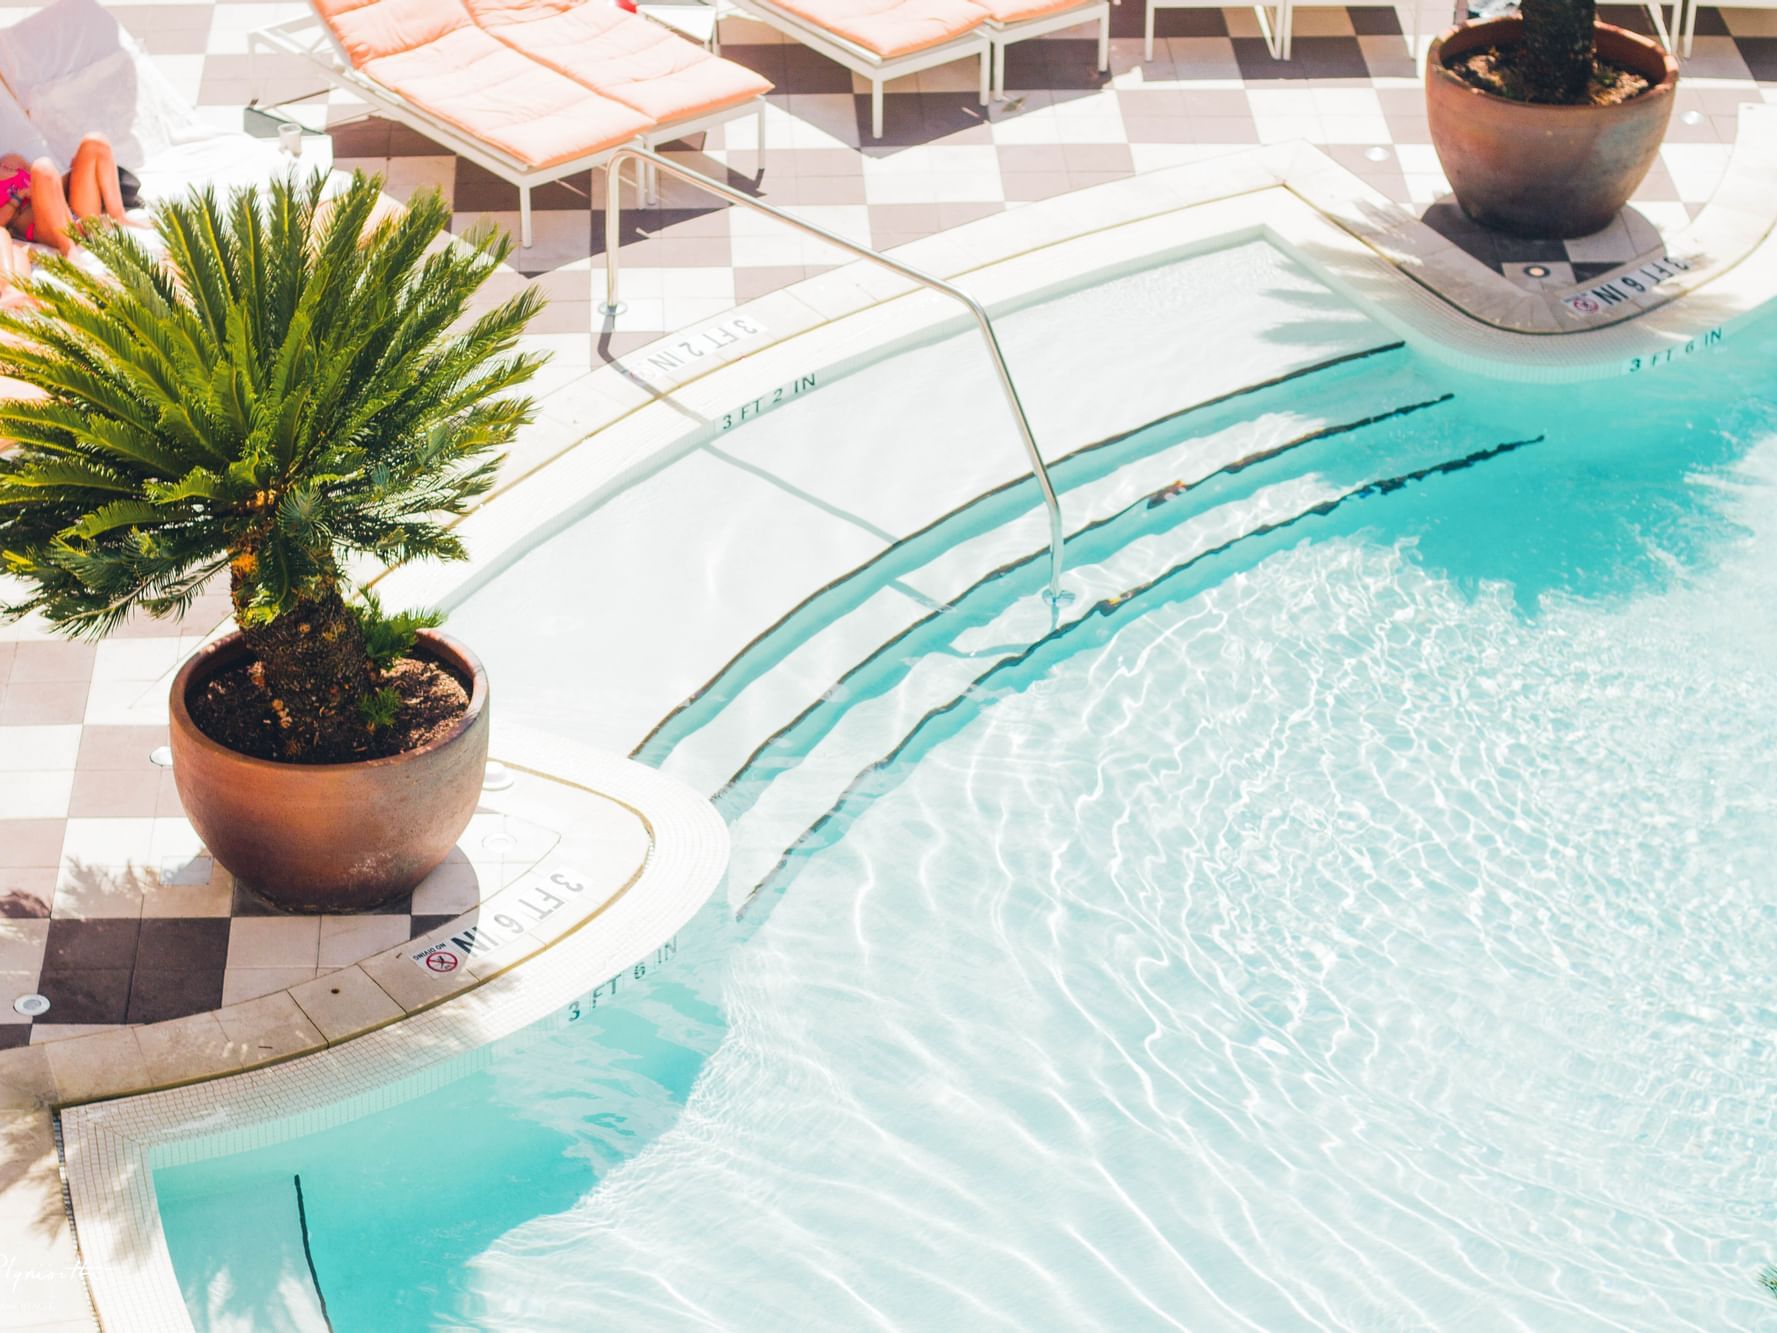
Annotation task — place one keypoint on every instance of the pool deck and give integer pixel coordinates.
(160, 972)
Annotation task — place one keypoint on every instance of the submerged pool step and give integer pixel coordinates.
(985, 531)
(798, 805)
(884, 610)
(782, 797)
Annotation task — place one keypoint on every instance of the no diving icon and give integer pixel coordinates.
(441, 961)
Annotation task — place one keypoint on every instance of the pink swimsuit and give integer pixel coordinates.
(17, 188)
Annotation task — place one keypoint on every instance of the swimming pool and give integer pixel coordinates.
(1355, 911)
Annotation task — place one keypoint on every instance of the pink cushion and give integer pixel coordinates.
(619, 55)
(371, 28)
(889, 28)
(432, 55)
(1016, 11)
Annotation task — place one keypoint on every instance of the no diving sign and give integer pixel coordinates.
(505, 923)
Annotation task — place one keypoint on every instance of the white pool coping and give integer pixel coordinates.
(630, 419)
(113, 1147)
(654, 405)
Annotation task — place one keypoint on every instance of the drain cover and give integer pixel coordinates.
(31, 1005)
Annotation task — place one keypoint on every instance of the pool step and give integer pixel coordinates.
(965, 536)
(785, 796)
(940, 577)
(785, 810)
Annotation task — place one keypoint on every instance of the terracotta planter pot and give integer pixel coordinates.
(330, 837)
(1545, 171)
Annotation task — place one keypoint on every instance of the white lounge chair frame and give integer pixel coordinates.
(1684, 15)
(1272, 21)
(1002, 35)
(309, 38)
(976, 43)
(1288, 26)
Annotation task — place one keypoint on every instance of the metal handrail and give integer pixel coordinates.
(1038, 469)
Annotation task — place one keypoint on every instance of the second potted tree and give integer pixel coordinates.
(294, 383)
(1546, 122)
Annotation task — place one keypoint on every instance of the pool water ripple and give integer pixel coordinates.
(1337, 948)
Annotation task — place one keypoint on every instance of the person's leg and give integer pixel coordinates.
(93, 190)
(49, 207)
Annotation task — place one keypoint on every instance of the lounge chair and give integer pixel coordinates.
(881, 40)
(1683, 31)
(532, 90)
(681, 86)
(1273, 22)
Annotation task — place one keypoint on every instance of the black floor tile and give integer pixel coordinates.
(1127, 21)
(1760, 55)
(1310, 58)
(98, 943)
(1710, 23)
(183, 943)
(425, 925)
(1060, 64)
(85, 995)
(917, 118)
(157, 994)
(361, 138)
(248, 903)
(1257, 65)
(14, 1034)
(1633, 17)
(1450, 222)
(1330, 57)
(806, 71)
(478, 190)
(1529, 250)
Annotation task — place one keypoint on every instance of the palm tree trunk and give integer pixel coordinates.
(1558, 48)
(313, 663)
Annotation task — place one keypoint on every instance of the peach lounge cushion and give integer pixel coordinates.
(431, 54)
(620, 56)
(889, 28)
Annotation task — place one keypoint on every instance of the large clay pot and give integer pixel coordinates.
(1545, 171)
(330, 837)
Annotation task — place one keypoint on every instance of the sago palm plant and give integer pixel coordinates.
(291, 384)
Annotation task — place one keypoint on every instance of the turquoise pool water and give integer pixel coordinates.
(1369, 927)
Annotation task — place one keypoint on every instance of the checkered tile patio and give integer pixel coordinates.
(1212, 88)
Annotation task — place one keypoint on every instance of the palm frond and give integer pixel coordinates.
(286, 381)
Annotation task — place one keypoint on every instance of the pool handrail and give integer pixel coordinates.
(612, 306)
